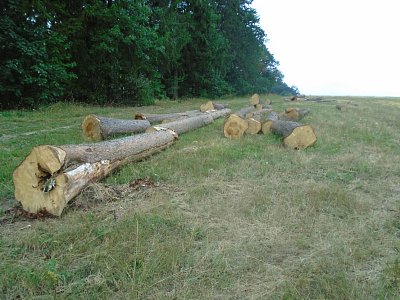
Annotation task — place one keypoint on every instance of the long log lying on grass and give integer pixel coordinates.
(156, 118)
(99, 128)
(295, 135)
(191, 123)
(50, 176)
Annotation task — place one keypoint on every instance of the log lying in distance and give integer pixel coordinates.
(191, 123)
(246, 112)
(50, 176)
(156, 118)
(212, 106)
(293, 114)
(295, 135)
(255, 99)
(263, 104)
(99, 128)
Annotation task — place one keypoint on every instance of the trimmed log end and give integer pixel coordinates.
(302, 137)
(91, 128)
(235, 127)
(36, 186)
(255, 99)
(266, 127)
(139, 116)
(207, 106)
(290, 114)
(254, 126)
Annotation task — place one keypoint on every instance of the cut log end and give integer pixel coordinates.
(36, 185)
(207, 106)
(266, 127)
(254, 126)
(255, 99)
(302, 137)
(235, 127)
(139, 116)
(91, 128)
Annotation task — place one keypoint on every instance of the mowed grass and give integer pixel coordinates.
(226, 219)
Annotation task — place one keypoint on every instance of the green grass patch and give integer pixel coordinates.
(243, 219)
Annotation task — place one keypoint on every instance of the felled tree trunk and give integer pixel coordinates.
(263, 104)
(99, 128)
(293, 114)
(191, 123)
(50, 176)
(295, 135)
(156, 118)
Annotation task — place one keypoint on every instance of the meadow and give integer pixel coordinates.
(213, 218)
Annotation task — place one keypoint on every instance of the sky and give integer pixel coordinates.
(335, 47)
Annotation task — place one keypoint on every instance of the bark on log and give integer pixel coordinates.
(187, 124)
(255, 99)
(50, 176)
(235, 126)
(99, 128)
(156, 118)
(295, 135)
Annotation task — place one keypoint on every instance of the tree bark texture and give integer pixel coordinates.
(99, 128)
(157, 118)
(50, 176)
(191, 123)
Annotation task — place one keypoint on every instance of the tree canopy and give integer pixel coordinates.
(131, 52)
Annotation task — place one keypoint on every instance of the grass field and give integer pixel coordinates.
(216, 218)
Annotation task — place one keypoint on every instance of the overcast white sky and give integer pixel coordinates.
(335, 47)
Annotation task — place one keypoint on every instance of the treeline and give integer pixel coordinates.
(131, 51)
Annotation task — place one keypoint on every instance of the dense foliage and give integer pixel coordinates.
(130, 52)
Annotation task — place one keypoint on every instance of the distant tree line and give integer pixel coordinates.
(131, 51)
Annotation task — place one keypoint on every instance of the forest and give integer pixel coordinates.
(130, 52)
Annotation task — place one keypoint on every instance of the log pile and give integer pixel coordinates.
(252, 120)
(51, 176)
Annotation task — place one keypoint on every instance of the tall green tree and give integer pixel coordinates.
(34, 59)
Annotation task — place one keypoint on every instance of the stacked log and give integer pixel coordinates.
(250, 121)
